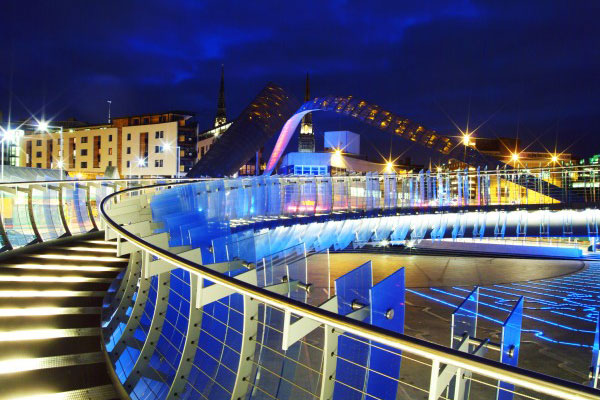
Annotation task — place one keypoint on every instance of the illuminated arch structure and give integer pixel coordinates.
(256, 124)
(383, 120)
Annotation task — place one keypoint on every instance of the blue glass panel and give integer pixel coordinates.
(352, 354)
(464, 323)
(464, 318)
(511, 342)
(387, 311)
(46, 213)
(149, 389)
(15, 218)
(324, 199)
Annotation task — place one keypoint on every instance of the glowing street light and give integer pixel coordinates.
(515, 157)
(466, 139)
(141, 162)
(167, 146)
(42, 126)
(389, 167)
(554, 158)
(338, 152)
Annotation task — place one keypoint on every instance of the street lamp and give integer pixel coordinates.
(466, 139)
(554, 158)
(389, 167)
(42, 126)
(167, 147)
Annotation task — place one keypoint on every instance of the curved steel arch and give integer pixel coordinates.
(381, 119)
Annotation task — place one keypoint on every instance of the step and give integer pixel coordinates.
(49, 347)
(20, 302)
(44, 334)
(14, 365)
(105, 392)
(14, 276)
(55, 321)
(53, 284)
(62, 269)
(50, 317)
(55, 256)
(56, 380)
(89, 250)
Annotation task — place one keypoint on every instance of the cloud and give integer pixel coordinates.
(530, 64)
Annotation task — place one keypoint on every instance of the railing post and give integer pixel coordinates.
(124, 295)
(330, 342)
(29, 192)
(61, 203)
(88, 203)
(160, 308)
(433, 380)
(191, 343)
(248, 347)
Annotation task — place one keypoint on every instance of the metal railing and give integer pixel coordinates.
(159, 261)
(38, 211)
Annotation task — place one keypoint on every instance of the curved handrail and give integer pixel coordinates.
(102, 180)
(436, 353)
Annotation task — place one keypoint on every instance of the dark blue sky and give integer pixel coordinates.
(531, 67)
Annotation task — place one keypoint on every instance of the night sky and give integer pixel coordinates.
(527, 68)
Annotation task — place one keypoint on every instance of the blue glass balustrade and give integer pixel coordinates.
(266, 231)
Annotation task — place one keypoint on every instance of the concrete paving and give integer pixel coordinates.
(556, 336)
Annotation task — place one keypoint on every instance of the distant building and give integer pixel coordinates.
(346, 141)
(511, 152)
(157, 144)
(341, 156)
(306, 140)
(140, 145)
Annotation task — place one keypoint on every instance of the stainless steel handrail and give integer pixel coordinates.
(436, 353)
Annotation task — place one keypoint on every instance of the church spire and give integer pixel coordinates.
(221, 117)
(307, 92)
(306, 141)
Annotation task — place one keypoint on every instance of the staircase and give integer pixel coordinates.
(50, 305)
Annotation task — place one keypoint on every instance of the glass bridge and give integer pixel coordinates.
(229, 291)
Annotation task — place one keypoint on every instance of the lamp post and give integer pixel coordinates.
(178, 161)
(61, 162)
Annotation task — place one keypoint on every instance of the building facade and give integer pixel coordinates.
(160, 144)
